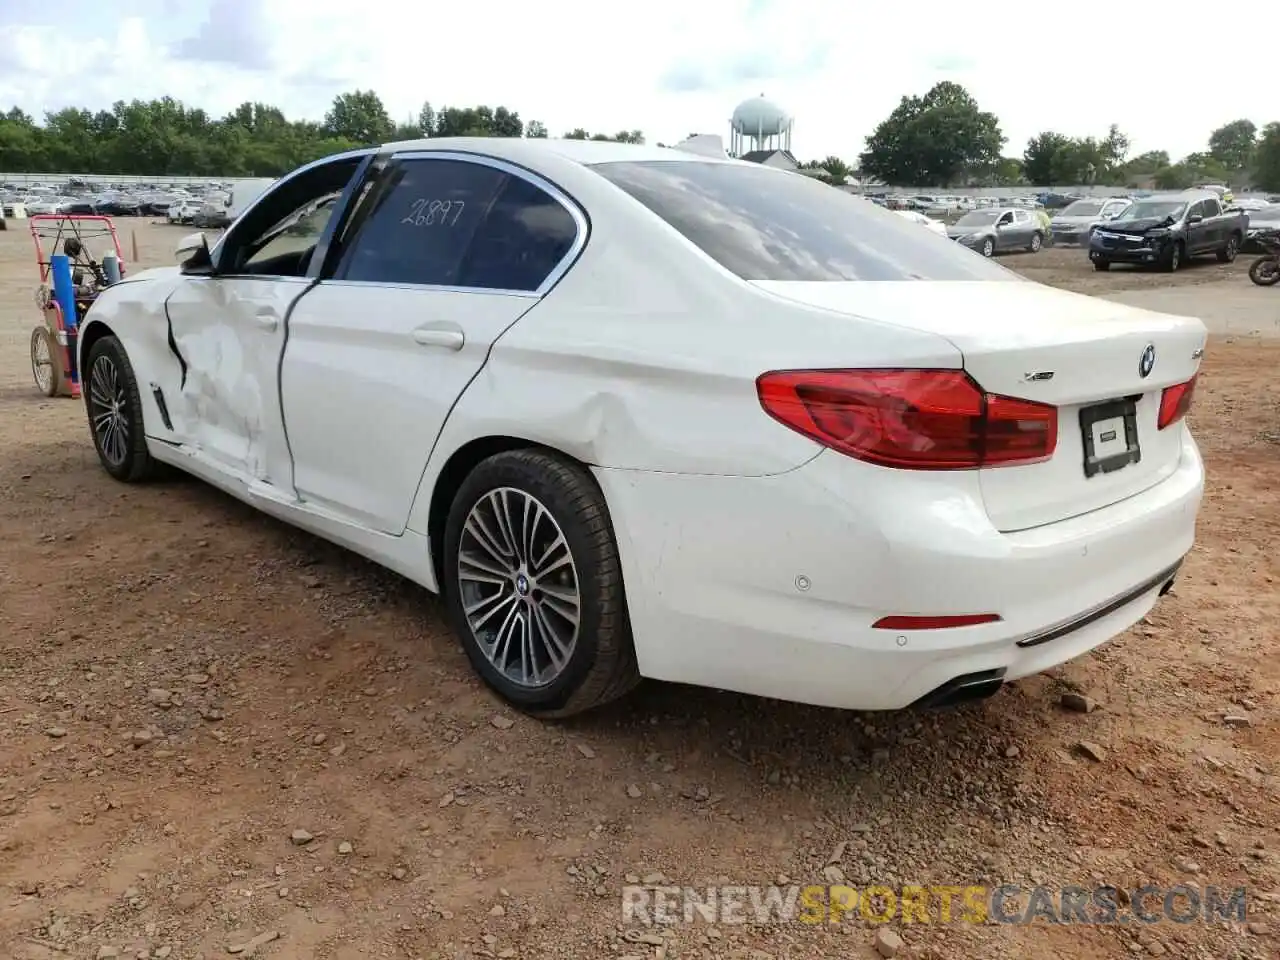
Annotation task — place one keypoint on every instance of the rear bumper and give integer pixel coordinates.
(770, 585)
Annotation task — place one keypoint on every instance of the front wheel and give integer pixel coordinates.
(113, 403)
(1174, 260)
(1265, 271)
(533, 585)
(1228, 253)
(988, 247)
(1036, 242)
(1102, 265)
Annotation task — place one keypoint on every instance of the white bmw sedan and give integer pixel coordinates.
(640, 413)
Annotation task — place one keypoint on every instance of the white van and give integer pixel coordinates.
(244, 193)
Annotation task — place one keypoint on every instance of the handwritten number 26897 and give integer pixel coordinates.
(434, 213)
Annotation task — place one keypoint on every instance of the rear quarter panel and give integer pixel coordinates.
(645, 357)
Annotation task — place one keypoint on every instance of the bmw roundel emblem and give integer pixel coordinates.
(1148, 360)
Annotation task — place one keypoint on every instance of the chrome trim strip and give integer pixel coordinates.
(1100, 611)
(479, 291)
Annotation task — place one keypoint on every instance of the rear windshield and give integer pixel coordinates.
(765, 224)
(1083, 208)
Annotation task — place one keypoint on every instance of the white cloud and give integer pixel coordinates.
(668, 67)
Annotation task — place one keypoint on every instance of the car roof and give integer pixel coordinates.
(1192, 195)
(520, 149)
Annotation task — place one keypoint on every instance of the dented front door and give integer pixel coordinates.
(229, 332)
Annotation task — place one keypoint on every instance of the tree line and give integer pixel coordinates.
(168, 138)
(944, 139)
(940, 139)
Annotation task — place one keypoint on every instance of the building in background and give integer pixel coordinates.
(760, 131)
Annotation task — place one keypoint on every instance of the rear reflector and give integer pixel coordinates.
(935, 623)
(1175, 402)
(910, 419)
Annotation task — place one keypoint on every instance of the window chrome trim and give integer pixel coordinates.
(574, 210)
(433, 287)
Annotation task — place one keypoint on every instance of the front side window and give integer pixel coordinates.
(1211, 208)
(763, 224)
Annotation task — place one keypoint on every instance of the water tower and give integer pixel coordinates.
(759, 124)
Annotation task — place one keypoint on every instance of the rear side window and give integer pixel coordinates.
(458, 224)
(524, 237)
(419, 225)
(764, 224)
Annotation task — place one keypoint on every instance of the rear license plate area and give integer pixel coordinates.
(1110, 434)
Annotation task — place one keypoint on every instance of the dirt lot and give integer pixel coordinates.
(184, 684)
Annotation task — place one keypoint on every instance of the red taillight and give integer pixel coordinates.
(910, 419)
(934, 623)
(1175, 402)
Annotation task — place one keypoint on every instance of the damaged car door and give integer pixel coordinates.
(228, 316)
(441, 255)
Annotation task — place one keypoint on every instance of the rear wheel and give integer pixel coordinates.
(1102, 265)
(114, 406)
(1228, 253)
(533, 585)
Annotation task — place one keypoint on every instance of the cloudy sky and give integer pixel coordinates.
(667, 67)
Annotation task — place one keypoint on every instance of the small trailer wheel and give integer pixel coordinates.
(46, 365)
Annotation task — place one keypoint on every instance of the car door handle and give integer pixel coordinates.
(267, 321)
(447, 336)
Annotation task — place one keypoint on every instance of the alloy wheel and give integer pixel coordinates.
(107, 406)
(519, 587)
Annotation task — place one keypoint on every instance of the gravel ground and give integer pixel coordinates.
(215, 729)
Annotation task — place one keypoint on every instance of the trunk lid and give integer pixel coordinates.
(1025, 340)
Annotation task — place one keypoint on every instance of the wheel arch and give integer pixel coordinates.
(456, 470)
(94, 331)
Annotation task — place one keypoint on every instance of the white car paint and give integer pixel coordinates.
(755, 558)
(937, 226)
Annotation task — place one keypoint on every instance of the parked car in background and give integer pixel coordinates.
(1075, 222)
(1166, 231)
(1266, 220)
(937, 226)
(520, 372)
(998, 230)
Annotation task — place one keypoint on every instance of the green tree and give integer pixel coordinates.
(1266, 170)
(1045, 159)
(358, 116)
(1232, 145)
(535, 129)
(932, 140)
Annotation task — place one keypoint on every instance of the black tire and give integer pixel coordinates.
(1102, 265)
(988, 247)
(108, 377)
(1176, 256)
(1265, 271)
(1228, 253)
(1037, 241)
(601, 665)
